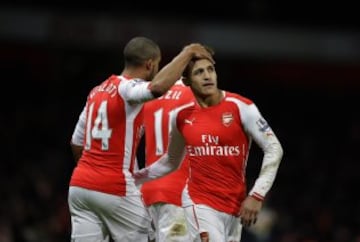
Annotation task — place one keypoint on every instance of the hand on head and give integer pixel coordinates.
(200, 51)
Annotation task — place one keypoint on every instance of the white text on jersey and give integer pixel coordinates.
(171, 94)
(106, 87)
(211, 147)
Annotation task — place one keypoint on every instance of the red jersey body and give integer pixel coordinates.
(217, 148)
(157, 113)
(112, 131)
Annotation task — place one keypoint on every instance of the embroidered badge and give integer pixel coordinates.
(227, 119)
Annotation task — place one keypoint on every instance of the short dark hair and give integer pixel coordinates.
(187, 72)
(140, 49)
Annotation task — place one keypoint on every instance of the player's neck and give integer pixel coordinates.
(211, 100)
(134, 73)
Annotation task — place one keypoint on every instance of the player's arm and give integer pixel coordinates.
(77, 138)
(137, 90)
(172, 72)
(260, 131)
(167, 163)
(76, 151)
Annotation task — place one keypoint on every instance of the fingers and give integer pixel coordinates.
(200, 51)
(204, 52)
(248, 217)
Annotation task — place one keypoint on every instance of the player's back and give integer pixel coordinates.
(157, 128)
(112, 133)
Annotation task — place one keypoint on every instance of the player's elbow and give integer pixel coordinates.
(274, 152)
(157, 90)
(280, 151)
(76, 151)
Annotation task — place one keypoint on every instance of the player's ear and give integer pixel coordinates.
(149, 64)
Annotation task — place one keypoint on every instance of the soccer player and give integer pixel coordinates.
(216, 131)
(163, 195)
(103, 199)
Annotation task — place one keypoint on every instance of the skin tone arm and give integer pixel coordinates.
(76, 151)
(173, 70)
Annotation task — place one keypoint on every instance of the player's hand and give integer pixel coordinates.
(249, 211)
(199, 51)
(141, 176)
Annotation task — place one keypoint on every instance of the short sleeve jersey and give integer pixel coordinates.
(113, 128)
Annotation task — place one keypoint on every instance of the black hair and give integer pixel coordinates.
(187, 72)
(140, 49)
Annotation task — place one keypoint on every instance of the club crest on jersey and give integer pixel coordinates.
(227, 119)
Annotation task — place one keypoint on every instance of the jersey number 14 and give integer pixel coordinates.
(100, 130)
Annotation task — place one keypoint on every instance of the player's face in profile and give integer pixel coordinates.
(204, 78)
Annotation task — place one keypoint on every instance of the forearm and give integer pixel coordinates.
(272, 157)
(167, 163)
(76, 151)
(158, 169)
(169, 74)
(161, 168)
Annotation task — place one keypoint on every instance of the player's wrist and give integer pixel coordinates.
(257, 196)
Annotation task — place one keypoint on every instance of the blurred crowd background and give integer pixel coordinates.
(299, 62)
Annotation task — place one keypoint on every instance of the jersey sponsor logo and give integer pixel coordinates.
(211, 147)
(213, 150)
(227, 119)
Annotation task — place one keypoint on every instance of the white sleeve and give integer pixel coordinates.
(259, 130)
(79, 131)
(135, 90)
(169, 161)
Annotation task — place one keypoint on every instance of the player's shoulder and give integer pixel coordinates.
(179, 85)
(179, 82)
(133, 81)
(103, 83)
(239, 97)
(186, 107)
(110, 80)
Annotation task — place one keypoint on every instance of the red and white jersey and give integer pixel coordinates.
(110, 128)
(157, 113)
(217, 140)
